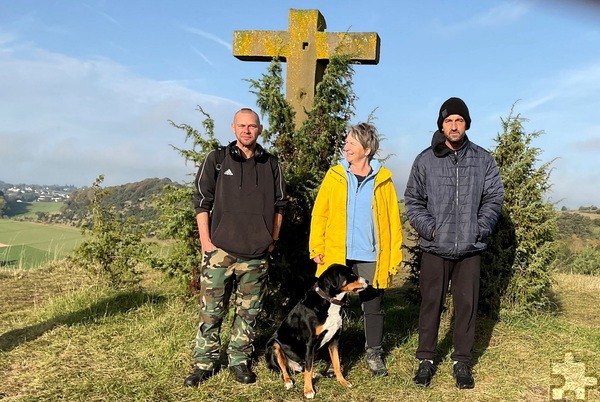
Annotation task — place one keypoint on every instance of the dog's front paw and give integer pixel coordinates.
(345, 382)
(288, 384)
(309, 393)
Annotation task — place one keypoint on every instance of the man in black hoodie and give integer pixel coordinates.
(239, 202)
(453, 200)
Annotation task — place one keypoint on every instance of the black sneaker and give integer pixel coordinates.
(243, 373)
(197, 377)
(424, 373)
(463, 376)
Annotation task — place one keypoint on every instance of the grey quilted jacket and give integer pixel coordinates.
(454, 198)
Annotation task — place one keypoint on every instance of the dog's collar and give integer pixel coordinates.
(330, 299)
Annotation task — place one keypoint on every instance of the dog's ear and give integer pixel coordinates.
(329, 280)
(334, 278)
(339, 278)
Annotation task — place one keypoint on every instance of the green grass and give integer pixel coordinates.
(75, 340)
(29, 210)
(23, 256)
(29, 244)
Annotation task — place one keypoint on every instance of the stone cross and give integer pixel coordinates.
(306, 50)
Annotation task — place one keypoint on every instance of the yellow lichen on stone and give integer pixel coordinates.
(260, 44)
(363, 47)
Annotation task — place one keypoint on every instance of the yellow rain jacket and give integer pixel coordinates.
(328, 224)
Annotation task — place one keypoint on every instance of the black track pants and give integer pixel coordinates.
(437, 274)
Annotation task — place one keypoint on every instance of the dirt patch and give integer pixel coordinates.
(4, 245)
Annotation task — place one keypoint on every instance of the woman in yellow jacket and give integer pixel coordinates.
(356, 222)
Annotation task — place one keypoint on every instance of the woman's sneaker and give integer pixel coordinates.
(375, 362)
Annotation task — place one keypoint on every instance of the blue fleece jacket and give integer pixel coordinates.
(361, 242)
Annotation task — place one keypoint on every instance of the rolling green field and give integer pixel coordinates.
(30, 245)
(29, 210)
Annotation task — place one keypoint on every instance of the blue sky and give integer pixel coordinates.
(87, 87)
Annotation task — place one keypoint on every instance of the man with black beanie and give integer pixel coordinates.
(453, 200)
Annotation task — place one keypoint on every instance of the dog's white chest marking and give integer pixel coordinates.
(333, 322)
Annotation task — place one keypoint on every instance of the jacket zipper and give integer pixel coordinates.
(457, 207)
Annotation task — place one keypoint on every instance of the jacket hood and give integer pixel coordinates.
(374, 163)
(380, 172)
(439, 147)
(438, 144)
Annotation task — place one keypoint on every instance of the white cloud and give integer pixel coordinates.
(505, 13)
(209, 36)
(6, 40)
(590, 141)
(199, 53)
(577, 187)
(582, 83)
(577, 85)
(561, 104)
(535, 103)
(68, 120)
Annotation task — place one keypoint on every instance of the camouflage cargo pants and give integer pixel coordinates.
(220, 271)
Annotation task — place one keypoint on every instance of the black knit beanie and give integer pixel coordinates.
(454, 106)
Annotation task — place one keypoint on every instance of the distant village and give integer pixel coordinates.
(40, 193)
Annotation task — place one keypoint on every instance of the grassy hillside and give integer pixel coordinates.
(29, 244)
(29, 210)
(64, 337)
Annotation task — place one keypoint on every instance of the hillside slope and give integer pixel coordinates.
(64, 337)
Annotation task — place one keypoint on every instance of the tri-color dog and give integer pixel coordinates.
(313, 323)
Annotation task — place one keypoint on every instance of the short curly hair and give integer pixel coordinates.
(367, 136)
